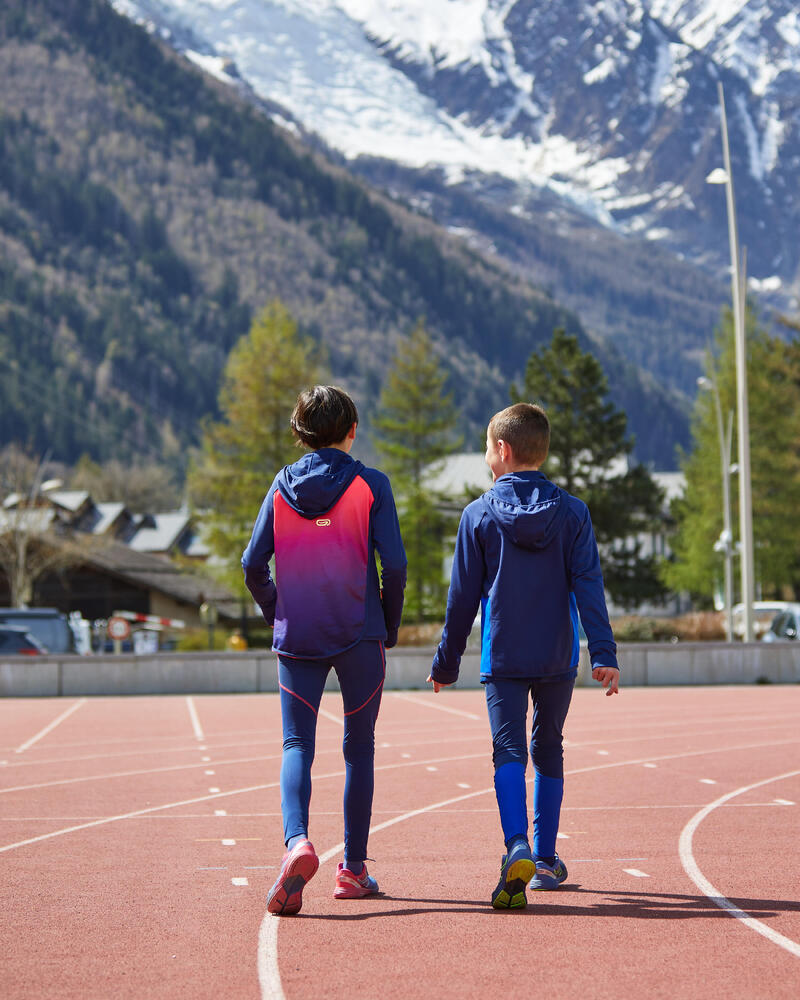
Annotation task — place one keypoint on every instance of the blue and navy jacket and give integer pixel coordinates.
(323, 518)
(527, 555)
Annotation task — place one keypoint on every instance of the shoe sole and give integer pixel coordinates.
(511, 895)
(286, 896)
(353, 893)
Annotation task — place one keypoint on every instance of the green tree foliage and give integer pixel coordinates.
(773, 376)
(414, 426)
(588, 433)
(241, 453)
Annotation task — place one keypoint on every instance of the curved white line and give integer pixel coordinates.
(269, 975)
(693, 871)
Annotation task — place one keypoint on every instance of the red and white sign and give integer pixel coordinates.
(118, 628)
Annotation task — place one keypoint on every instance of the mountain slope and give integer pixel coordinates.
(145, 212)
(493, 113)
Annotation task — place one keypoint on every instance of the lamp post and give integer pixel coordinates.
(724, 543)
(725, 177)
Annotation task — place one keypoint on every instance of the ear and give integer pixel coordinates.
(352, 432)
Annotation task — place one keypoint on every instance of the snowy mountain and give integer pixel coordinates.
(612, 105)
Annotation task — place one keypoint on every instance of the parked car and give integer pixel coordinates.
(785, 625)
(763, 614)
(48, 625)
(16, 641)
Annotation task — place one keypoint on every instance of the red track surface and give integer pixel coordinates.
(120, 879)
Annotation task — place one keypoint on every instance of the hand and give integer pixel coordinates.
(608, 677)
(437, 685)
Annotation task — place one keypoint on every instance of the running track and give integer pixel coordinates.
(139, 836)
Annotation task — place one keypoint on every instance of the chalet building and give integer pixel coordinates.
(120, 560)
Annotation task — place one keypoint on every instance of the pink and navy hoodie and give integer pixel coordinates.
(323, 519)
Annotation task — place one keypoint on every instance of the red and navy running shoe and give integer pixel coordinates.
(350, 886)
(299, 867)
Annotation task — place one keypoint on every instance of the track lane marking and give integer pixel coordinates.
(692, 869)
(49, 728)
(428, 703)
(197, 728)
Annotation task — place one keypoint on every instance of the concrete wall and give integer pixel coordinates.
(657, 664)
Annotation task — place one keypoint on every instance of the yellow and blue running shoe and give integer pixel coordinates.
(516, 869)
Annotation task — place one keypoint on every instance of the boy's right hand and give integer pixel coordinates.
(608, 677)
(437, 685)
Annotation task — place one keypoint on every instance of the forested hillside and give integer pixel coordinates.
(146, 212)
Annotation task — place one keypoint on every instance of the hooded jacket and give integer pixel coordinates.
(323, 518)
(527, 555)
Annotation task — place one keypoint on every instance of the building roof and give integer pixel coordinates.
(160, 532)
(157, 573)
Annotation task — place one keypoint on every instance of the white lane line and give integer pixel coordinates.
(214, 790)
(133, 774)
(198, 729)
(784, 802)
(602, 753)
(240, 881)
(635, 872)
(693, 871)
(431, 768)
(562, 836)
(209, 773)
(430, 703)
(48, 729)
(651, 765)
(707, 781)
(331, 717)
(227, 842)
(463, 784)
(220, 812)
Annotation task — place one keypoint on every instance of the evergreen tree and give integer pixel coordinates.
(588, 433)
(414, 427)
(773, 376)
(241, 454)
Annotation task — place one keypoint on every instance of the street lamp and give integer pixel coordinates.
(724, 543)
(725, 177)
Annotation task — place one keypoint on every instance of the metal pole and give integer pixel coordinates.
(725, 542)
(727, 538)
(745, 497)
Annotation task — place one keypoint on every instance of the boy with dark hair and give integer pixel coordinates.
(526, 553)
(324, 518)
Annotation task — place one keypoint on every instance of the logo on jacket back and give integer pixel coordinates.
(322, 522)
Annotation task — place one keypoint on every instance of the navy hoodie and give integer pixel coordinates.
(527, 555)
(323, 519)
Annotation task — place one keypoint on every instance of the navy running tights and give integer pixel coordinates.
(507, 701)
(361, 672)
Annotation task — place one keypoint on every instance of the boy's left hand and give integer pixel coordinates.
(608, 677)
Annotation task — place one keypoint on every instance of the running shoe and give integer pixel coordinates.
(516, 869)
(549, 876)
(350, 886)
(298, 867)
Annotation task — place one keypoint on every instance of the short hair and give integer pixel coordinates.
(322, 416)
(525, 427)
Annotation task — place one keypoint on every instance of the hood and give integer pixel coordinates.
(527, 507)
(312, 485)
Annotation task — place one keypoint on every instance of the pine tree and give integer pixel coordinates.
(773, 375)
(588, 434)
(241, 453)
(414, 426)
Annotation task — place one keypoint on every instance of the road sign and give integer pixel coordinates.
(118, 629)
